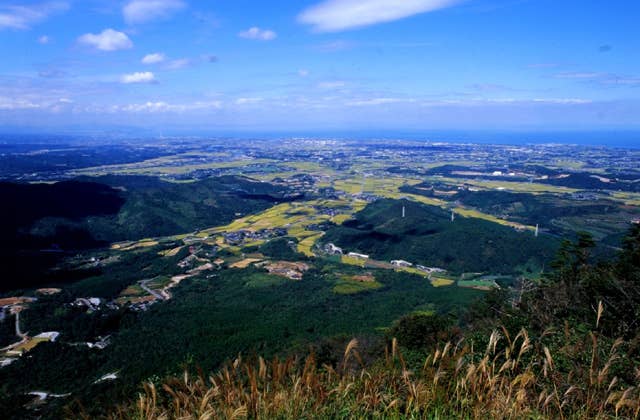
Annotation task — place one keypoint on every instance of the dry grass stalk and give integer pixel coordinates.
(512, 378)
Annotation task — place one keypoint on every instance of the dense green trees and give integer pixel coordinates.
(220, 314)
(212, 319)
(577, 285)
(507, 362)
(52, 217)
(281, 249)
(427, 236)
(423, 330)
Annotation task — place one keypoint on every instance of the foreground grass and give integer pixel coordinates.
(510, 377)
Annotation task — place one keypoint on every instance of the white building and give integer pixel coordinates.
(333, 250)
(401, 263)
(430, 269)
(50, 335)
(356, 255)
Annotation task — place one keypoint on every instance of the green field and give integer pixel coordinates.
(525, 187)
(349, 287)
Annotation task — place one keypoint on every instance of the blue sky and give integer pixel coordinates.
(320, 64)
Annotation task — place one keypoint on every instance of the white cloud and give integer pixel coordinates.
(12, 104)
(157, 58)
(578, 76)
(44, 39)
(563, 101)
(603, 79)
(23, 17)
(107, 40)
(248, 101)
(178, 64)
(138, 77)
(147, 107)
(339, 15)
(471, 102)
(257, 33)
(303, 72)
(141, 11)
(161, 106)
(622, 81)
(20, 99)
(380, 101)
(154, 58)
(519, 101)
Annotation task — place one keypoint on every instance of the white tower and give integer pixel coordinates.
(453, 215)
(537, 230)
(403, 212)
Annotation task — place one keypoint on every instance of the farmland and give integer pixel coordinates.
(205, 255)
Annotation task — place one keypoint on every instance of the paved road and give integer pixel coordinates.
(18, 332)
(143, 284)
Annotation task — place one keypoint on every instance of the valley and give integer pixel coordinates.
(206, 255)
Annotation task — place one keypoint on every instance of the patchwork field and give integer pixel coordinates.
(172, 165)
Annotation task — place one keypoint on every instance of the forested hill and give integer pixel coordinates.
(154, 207)
(567, 349)
(93, 212)
(73, 200)
(426, 235)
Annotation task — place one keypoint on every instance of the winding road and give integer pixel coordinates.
(18, 332)
(156, 294)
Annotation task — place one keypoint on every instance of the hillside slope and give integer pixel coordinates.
(41, 224)
(427, 236)
(569, 350)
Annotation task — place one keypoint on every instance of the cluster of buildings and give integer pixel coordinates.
(329, 211)
(241, 236)
(298, 182)
(290, 270)
(25, 342)
(101, 344)
(430, 270)
(367, 197)
(188, 261)
(91, 304)
(141, 304)
(401, 263)
(584, 196)
(332, 249)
